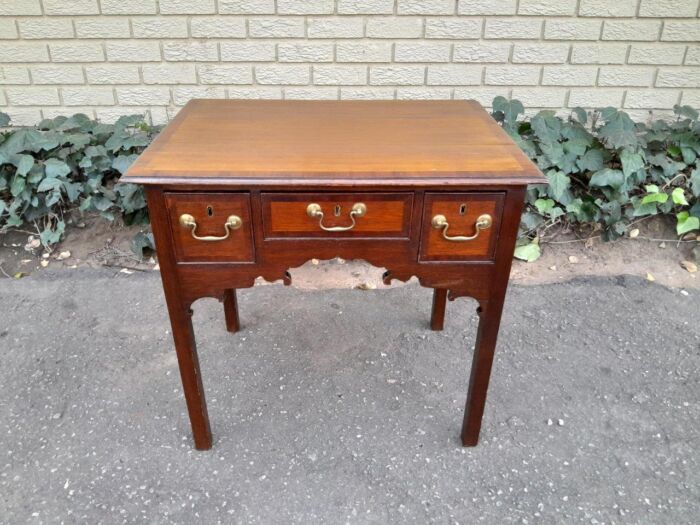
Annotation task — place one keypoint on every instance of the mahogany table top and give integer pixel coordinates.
(333, 142)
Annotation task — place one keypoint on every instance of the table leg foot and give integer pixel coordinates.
(484, 348)
(470, 441)
(437, 317)
(231, 310)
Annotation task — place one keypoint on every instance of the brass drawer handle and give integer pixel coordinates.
(482, 222)
(314, 211)
(232, 223)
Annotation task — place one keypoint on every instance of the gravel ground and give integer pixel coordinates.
(341, 406)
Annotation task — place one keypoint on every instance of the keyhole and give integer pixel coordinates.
(210, 211)
(462, 209)
(336, 211)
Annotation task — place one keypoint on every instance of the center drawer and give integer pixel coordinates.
(337, 215)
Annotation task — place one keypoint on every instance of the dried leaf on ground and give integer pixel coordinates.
(690, 266)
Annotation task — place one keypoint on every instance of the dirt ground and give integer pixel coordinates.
(655, 254)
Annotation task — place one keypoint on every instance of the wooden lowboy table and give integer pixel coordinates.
(241, 189)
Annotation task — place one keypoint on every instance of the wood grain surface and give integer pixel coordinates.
(317, 141)
(388, 214)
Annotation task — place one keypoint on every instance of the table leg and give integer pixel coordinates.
(186, 348)
(437, 317)
(231, 310)
(484, 348)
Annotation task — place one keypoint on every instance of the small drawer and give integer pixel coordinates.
(211, 227)
(337, 215)
(460, 226)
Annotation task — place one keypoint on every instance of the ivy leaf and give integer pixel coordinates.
(608, 177)
(56, 168)
(101, 203)
(655, 197)
(544, 205)
(141, 242)
(592, 160)
(688, 155)
(527, 146)
(695, 182)
(18, 185)
(695, 211)
(586, 211)
(669, 166)
(72, 190)
(612, 210)
(558, 183)
(528, 252)
(631, 162)
(580, 115)
(79, 121)
(618, 131)
(685, 111)
(555, 212)
(53, 197)
(678, 196)
(686, 223)
(673, 150)
(78, 140)
(567, 163)
(130, 121)
(577, 146)
(578, 133)
(115, 142)
(49, 184)
(51, 236)
(122, 162)
(530, 221)
(547, 126)
(4, 120)
(510, 108)
(607, 113)
(136, 140)
(642, 210)
(23, 163)
(132, 196)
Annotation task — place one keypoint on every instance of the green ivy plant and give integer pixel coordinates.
(70, 162)
(605, 170)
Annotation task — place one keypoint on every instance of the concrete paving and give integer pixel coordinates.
(342, 407)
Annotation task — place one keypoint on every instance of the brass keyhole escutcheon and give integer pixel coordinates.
(210, 211)
(462, 209)
(314, 210)
(336, 210)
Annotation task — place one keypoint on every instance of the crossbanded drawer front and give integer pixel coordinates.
(460, 226)
(211, 227)
(337, 215)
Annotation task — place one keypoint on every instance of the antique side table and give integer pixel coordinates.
(241, 189)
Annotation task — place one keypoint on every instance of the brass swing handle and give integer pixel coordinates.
(232, 223)
(482, 222)
(314, 211)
